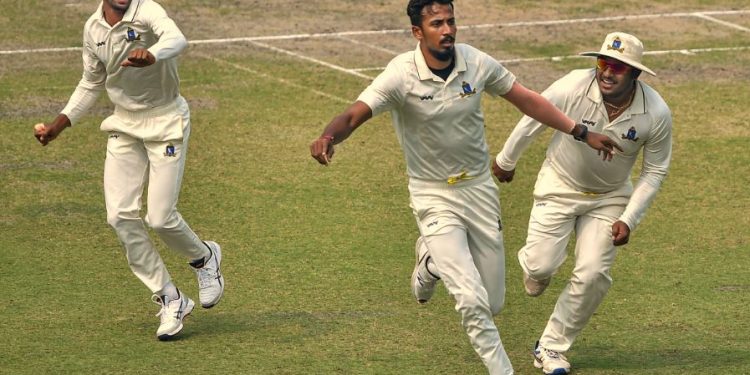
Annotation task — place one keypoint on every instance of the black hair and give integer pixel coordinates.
(636, 73)
(414, 9)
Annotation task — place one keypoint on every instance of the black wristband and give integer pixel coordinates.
(582, 135)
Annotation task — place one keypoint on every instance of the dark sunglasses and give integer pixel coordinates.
(616, 67)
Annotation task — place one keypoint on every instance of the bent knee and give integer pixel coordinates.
(471, 307)
(117, 219)
(597, 279)
(159, 222)
(497, 306)
(540, 271)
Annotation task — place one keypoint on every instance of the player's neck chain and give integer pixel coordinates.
(614, 111)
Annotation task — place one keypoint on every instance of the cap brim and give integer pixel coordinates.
(619, 58)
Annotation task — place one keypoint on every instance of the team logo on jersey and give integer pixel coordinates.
(630, 135)
(131, 35)
(467, 90)
(169, 151)
(425, 97)
(101, 44)
(616, 45)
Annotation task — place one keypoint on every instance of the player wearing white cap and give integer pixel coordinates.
(130, 49)
(576, 192)
(433, 94)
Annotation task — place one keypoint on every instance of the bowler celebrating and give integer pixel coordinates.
(434, 95)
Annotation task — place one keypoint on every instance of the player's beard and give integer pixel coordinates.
(444, 55)
(119, 5)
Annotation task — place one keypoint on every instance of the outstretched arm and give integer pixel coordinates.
(84, 96)
(537, 107)
(339, 129)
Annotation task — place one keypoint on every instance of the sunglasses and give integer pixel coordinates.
(616, 67)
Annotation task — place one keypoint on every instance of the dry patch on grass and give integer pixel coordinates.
(44, 108)
(37, 165)
(738, 19)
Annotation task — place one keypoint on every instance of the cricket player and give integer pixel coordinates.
(130, 49)
(576, 192)
(433, 94)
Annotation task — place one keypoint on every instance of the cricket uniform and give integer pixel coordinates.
(577, 191)
(440, 127)
(148, 132)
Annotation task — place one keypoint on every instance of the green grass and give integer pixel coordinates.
(317, 260)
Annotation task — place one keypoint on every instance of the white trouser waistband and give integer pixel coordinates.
(453, 182)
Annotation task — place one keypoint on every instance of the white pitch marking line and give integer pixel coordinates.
(368, 45)
(398, 31)
(39, 50)
(303, 57)
(264, 75)
(600, 19)
(725, 23)
(299, 36)
(691, 51)
(719, 49)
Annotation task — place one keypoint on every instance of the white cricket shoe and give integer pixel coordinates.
(550, 361)
(533, 287)
(422, 280)
(172, 313)
(210, 279)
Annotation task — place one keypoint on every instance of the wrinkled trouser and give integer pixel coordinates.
(137, 155)
(558, 211)
(460, 225)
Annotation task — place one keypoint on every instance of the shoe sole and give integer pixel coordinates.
(171, 335)
(221, 278)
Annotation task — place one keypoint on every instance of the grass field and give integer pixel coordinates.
(318, 260)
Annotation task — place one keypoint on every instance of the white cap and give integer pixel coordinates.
(623, 47)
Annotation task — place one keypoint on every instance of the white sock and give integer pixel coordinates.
(170, 291)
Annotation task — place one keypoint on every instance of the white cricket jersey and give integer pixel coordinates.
(646, 125)
(439, 124)
(144, 25)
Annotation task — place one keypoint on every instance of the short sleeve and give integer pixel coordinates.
(386, 91)
(499, 80)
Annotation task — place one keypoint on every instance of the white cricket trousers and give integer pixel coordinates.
(460, 225)
(558, 211)
(148, 148)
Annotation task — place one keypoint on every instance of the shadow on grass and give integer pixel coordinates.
(282, 325)
(705, 361)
